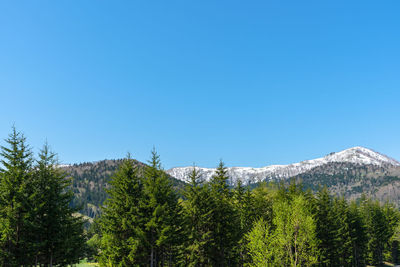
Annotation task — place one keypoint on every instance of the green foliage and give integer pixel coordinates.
(197, 214)
(358, 235)
(37, 225)
(15, 189)
(56, 234)
(290, 240)
(295, 232)
(122, 219)
(326, 226)
(144, 223)
(141, 221)
(381, 223)
(261, 245)
(343, 242)
(333, 232)
(224, 220)
(163, 224)
(91, 180)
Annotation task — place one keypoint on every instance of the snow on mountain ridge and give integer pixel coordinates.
(356, 155)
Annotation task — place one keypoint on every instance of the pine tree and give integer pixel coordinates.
(122, 222)
(343, 240)
(15, 185)
(247, 213)
(378, 229)
(325, 227)
(197, 210)
(163, 222)
(261, 204)
(358, 235)
(219, 181)
(392, 216)
(56, 233)
(224, 220)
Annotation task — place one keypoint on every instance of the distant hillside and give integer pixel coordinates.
(90, 179)
(354, 156)
(352, 180)
(348, 173)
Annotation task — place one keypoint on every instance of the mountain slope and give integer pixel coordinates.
(350, 173)
(90, 180)
(248, 175)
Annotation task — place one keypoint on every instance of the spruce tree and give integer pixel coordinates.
(358, 235)
(122, 222)
(163, 215)
(343, 239)
(244, 205)
(197, 211)
(325, 227)
(379, 229)
(15, 189)
(56, 232)
(260, 203)
(393, 218)
(224, 220)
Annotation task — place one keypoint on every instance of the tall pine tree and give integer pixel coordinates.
(15, 189)
(358, 235)
(56, 231)
(122, 222)
(325, 227)
(225, 223)
(197, 210)
(163, 215)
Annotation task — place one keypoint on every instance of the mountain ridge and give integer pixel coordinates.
(347, 173)
(356, 155)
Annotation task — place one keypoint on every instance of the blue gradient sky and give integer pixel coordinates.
(251, 82)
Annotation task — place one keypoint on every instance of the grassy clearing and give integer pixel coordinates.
(386, 264)
(84, 263)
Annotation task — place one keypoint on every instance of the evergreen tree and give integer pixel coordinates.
(392, 216)
(56, 233)
(358, 235)
(325, 227)
(93, 243)
(242, 202)
(224, 220)
(219, 181)
(249, 207)
(197, 210)
(379, 229)
(15, 189)
(163, 221)
(123, 239)
(261, 204)
(395, 249)
(343, 239)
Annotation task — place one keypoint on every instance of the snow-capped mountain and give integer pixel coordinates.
(355, 155)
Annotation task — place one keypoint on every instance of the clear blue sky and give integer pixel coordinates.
(251, 82)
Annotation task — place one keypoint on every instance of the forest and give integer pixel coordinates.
(38, 226)
(146, 221)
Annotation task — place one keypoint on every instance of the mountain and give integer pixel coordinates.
(353, 156)
(90, 181)
(348, 173)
